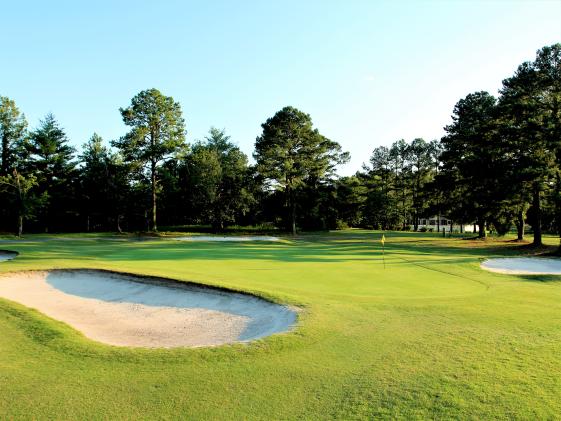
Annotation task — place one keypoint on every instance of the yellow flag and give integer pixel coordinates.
(383, 240)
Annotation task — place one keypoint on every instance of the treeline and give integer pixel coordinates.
(498, 166)
(151, 176)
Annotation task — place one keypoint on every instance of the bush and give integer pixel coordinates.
(341, 225)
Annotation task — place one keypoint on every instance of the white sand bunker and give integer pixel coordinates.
(227, 238)
(524, 265)
(126, 310)
(7, 255)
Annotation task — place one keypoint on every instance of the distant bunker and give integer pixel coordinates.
(524, 265)
(129, 310)
(6, 255)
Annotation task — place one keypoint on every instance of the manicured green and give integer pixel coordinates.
(430, 336)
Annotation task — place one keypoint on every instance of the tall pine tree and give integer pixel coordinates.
(157, 134)
(291, 152)
(49, 159)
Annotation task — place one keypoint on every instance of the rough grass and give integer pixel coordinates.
(430, 336)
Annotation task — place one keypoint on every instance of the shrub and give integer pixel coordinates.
(341, 225)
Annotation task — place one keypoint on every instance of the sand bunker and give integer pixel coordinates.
(524, 265)
(7, 255)
(229, 238)
(126, 310)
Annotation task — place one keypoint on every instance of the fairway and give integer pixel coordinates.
(430, 336)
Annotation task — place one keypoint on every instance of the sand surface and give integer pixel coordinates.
(7, 255)
(226, 238)
(124, 310)
(524, 265)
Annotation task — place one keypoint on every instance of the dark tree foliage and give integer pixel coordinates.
(351, 194)
(291, 154)
(49, 158)
(157, 134)
(396, 195)
(218, 171)
(529, 127)
(471, 160)
(420, 169)
(13, 129)
(381, 203)
(103, 186)
(20, 197)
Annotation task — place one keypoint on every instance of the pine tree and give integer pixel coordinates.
(13, 128)
(471, 160)
(291, 153)
(49, 159)
(157, 134)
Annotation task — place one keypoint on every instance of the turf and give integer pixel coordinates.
(431, 335)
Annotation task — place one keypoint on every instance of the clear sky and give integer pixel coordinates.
(368, 72)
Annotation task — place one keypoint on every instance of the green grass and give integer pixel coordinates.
(430, 336)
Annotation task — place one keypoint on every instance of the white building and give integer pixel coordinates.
(432, 224)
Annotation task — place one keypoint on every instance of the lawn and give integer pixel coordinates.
(431, 335)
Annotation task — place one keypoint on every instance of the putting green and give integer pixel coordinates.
(430, 335)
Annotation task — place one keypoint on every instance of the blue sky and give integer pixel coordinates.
(368, 72)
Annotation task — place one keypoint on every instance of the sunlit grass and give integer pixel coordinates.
(431, 335)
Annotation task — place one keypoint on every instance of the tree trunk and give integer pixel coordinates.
(536, 203)
(47, 218)
(520, 226)
(291, 205)
(293, 216)
(558, 208)
(4, 169)
(438, 222)
(482, 230)
(119, 230)
(153, 174)
(20, 202)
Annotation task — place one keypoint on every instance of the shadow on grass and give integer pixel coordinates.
(540, 278)
(325, 250)
(421, 249)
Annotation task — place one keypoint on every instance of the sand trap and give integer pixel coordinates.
(524, 265)
(126, 310)
(226, 238)
(7, 255)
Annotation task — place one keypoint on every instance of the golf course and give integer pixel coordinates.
(419, 332)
